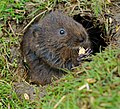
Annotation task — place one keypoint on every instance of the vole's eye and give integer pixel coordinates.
(62, 31)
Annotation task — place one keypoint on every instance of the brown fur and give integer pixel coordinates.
(47, 51)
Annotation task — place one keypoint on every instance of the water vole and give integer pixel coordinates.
(51, 44)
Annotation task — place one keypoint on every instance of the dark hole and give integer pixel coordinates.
(95, 30)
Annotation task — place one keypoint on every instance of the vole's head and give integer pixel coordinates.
(58, 38)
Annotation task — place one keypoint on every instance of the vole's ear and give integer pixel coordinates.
(37, 30)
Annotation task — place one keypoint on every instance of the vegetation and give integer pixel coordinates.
(94, 84)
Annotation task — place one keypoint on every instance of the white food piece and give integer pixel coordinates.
(26, 96)
(81, 50)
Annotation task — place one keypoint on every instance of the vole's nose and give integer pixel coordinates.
(81, 39)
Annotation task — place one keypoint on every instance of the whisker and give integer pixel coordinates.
(94, 42)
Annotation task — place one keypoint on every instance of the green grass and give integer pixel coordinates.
(104, 93)
(11, 10)
(104, 70)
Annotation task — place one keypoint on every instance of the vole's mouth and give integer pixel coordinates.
(83, 53)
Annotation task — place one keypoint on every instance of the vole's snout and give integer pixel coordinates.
(81, 39)
(78, 39)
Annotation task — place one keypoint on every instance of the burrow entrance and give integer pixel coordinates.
(95, 30)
